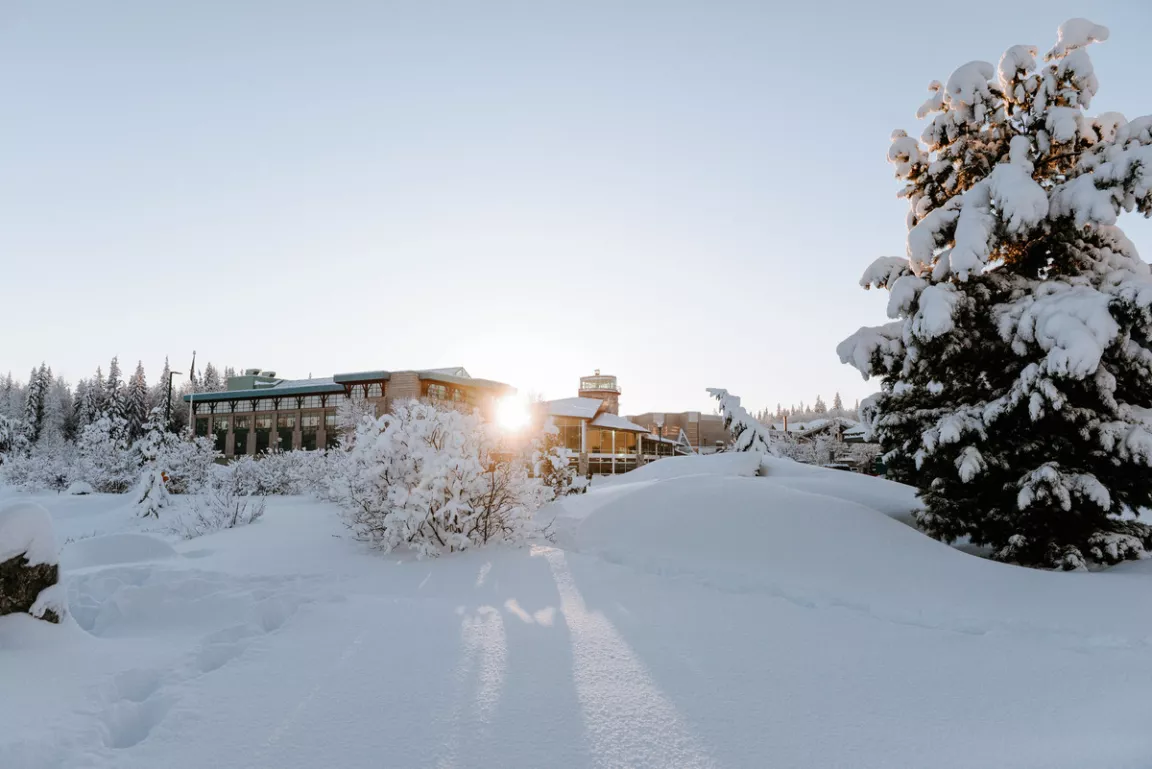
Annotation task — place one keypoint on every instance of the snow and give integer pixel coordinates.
(968, 84)
(615, 422)
(26, 529)
(79, 488)
(583, 408)
(691, 614)
(885, 271)
(111, 549)
(1076, 33)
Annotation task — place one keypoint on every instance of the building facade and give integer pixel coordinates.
(601, 441)
(704, 433)
(260, 412)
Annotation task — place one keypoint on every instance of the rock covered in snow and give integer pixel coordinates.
(29, 569)
(79, 488)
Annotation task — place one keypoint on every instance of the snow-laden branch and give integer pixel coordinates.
(748, 433)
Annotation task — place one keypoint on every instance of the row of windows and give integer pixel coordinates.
(285, 431)
(286, 403)
(610, 441)
(439, 392)
(264, 422)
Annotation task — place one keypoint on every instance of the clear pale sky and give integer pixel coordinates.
(681, 194)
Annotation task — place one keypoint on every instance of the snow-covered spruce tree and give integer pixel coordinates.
(151, 493)
(748, 434)
(136, 402)
(114, 404)
(35, 400)
(1017, 374)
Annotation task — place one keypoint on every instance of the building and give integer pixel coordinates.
(258, 411)
(704, 433)
(603, 442)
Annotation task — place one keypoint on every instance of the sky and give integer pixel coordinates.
(681, 194)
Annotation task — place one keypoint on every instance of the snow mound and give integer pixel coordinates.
(26, 528)
(730, 464)
(79, 488)
(115, 549)
(895, 500)
(763, 534)
(817, 551)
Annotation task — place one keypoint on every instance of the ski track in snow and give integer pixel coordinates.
(629, 722)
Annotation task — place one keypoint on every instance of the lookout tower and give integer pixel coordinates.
(601, 387)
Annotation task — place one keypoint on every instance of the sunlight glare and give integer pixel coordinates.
(512, 413)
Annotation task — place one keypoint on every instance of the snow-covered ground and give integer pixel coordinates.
(689, 615)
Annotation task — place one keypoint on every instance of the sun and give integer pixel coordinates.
(512, 413)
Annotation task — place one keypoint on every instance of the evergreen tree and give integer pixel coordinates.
(1017, 377)
(820, 407)
(837, 405)
(136, 402)
(115, 404)
(94, 408)
(212, 382)
(59, 425)
(35, 399)
(158, 395)
(80, 412)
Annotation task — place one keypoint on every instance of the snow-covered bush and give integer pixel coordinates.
(219, 507)
(29, 570)
(104, 456)
(275, 473)
(434, 480)
(48, 466)
(1017, 372)
(552, 464)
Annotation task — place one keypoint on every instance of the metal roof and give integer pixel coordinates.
(282, 388)
(335, 384)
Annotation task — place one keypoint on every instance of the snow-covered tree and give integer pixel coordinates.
(747, 433)
(552, 463)
(105, 458)
(115, 402)
(136, 402)
(434, 480)
(158, 394)
(212, 381)
(820, 408)
(35, 400)
(837, 405)
(151, 493)
(1017, 372)
(96, 397)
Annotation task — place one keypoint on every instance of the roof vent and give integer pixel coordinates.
(269, 374)
(251, 372)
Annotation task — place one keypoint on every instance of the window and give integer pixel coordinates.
(240, 425)
(202, 427)
(457, 395)
(331, 431)
(263, 433)
(220, 430)
(309, 424)
(437, 392)
(285, 427)
(376, 390)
